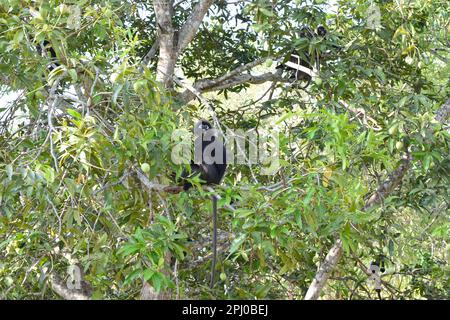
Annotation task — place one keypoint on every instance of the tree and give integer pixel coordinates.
(86, 174)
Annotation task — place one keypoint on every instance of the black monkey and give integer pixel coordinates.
(46, 50)
(210, 165)
(321, 31)
(300, 66)
(381, 263)
(209, 156)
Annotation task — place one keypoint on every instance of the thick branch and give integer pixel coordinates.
(444, 112)
(167, 56)
(390, 184)
(151, 186)
(207, 83)
(65, 293)
(324, 271)
(247, 78)
(228, 82)
(190, 27)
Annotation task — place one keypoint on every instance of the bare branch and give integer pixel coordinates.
(444, 112)
(247, 78)
(229, 82)
(324, 271)
(390, 184)
(150, 54)
(211, 83)
(151, 186)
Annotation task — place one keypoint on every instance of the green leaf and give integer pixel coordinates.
(391, 247)
(235, 245)
(266, 12)
(145, 167)
(130, 249)
(158, 281)
(132, 276)
(9, 171)
(73, 74)
(148, 274)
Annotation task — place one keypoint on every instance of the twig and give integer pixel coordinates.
(150, 54)
(50, 115)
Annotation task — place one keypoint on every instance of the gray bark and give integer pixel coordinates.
(167, 56)
(190, 28)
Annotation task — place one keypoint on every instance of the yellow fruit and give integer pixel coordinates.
(145, 167)
(393, 130)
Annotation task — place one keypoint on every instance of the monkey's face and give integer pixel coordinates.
(202, 125)
(321, 31)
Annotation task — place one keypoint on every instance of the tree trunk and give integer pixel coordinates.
(167, 50)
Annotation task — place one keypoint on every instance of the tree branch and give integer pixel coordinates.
(150, 54)
(167, 56)
(229, 80)
(151, 186)
(361, 114)
(437, 55)
(324, 271)
(443, 112)
(213, 82)
(390, 184)
(247, 78)
(190, 27)
(60, 289)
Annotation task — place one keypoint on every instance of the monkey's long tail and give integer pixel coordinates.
(214, 241)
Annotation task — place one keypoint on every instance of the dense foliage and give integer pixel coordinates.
(75, 139)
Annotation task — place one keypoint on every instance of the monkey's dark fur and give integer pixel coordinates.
(210, 170)
(46, 50)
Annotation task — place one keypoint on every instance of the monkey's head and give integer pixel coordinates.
(321, 31)
(202, 125)
(374, 267)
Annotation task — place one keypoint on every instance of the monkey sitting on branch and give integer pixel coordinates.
(209, 165)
